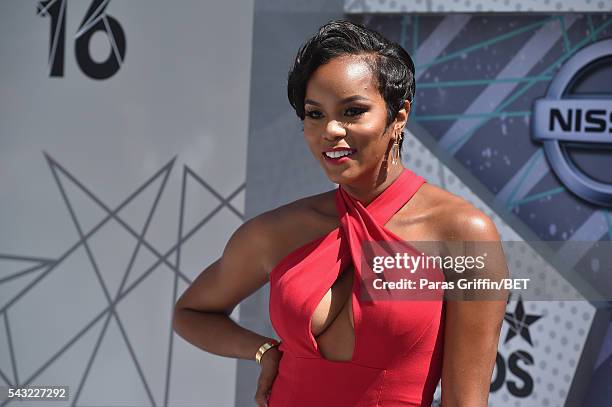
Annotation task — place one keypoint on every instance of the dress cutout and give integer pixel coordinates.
(398, 347)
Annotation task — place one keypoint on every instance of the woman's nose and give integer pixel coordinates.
(334, 129)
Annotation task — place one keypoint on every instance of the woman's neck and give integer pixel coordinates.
(368, 188)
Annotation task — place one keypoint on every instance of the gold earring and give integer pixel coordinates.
(396, 149)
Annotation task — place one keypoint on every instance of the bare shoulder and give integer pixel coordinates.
(293, 215)
(251, 253)
(281, 230)
(459, 218)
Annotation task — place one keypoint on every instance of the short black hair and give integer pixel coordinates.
(393, 67)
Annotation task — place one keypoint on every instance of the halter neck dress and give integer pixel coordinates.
(397, 356)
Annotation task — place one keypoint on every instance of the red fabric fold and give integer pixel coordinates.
(397, 357)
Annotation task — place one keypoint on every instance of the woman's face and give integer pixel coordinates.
(345, 111)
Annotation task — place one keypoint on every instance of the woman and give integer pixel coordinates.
(353, 90)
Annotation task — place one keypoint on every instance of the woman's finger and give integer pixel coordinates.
(263, 390)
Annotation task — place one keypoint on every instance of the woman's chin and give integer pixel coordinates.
(341, 176)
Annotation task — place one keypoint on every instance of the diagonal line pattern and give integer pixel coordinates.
(22, 273)
(485, 43)
(216, 194)
(443, 117)
(113, 215)
(6, 379)
(93, 356)
(437, 42)
(533, 176)
(87, 235)
(542, 168)
(535, 197)
(26, 258)
(539, 43)
(107, 295)
(514, 192)
(10, 345)
(175, 284)
(122, 292)
(456, 144)
(522, 182)
(473, 82)
(61, 351)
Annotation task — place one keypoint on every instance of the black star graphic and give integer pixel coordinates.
(519, 322)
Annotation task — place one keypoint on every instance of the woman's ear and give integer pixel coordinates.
(402, 116)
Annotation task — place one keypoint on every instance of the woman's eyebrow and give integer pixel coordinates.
(343, 101)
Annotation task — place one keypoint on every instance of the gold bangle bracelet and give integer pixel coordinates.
(265, 347)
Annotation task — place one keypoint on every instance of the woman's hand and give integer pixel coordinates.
(269, 369)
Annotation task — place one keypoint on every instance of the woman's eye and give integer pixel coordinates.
(313, 114)
(355, 111)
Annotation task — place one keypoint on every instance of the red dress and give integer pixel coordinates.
(397, 358)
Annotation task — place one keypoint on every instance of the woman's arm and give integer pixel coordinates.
(472, 326)
(201, 315)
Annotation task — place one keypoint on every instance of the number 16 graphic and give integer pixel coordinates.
(95, 20)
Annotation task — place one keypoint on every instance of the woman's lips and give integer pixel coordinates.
(339, 160)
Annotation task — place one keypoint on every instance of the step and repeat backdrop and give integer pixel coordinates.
(513, 112)
(135, 137)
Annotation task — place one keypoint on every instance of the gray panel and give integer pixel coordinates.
(95, 249)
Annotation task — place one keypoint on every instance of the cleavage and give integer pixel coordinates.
(332, 320)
